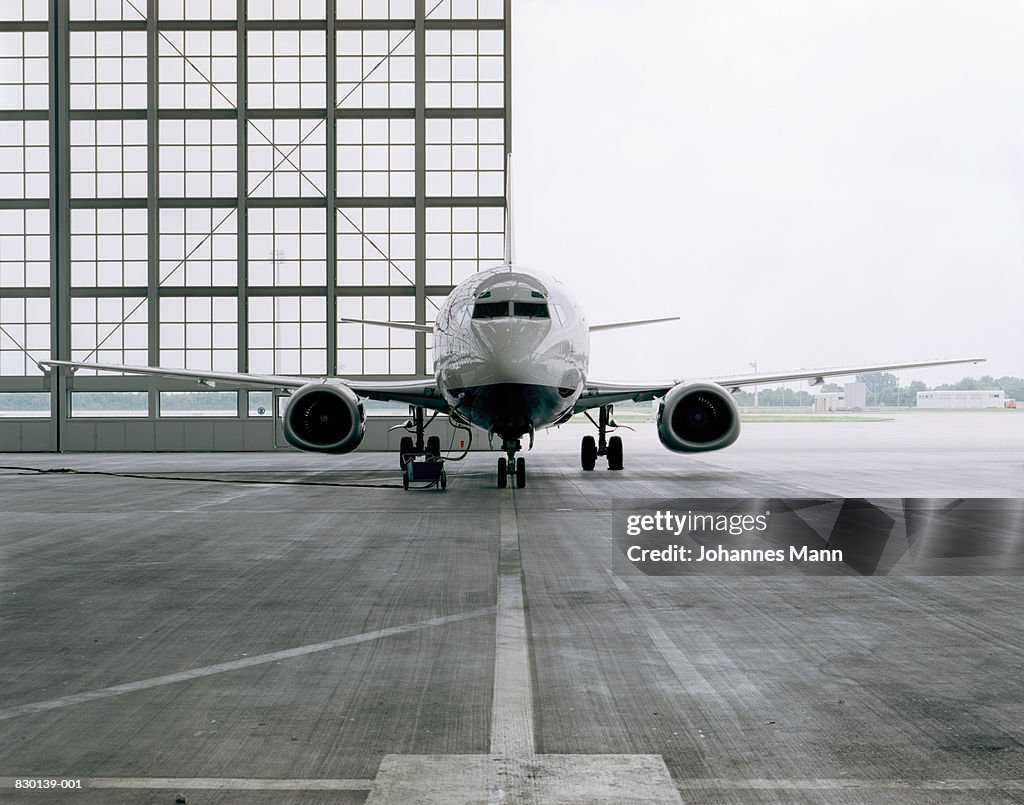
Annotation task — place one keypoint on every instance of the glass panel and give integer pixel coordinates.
(198, 69)
(25, 158)
(288, 335)
(466, 157)
(24, 248)
(198, 159)
(198, 247)
(287, 158)
(287, 246)
(199, 332)
(376, 158)
(198, 403)
(109, 404)
(369, 348)
(376, 246)
(109, 248)
(88, 10)
(109, 330)
(24, 69)
(24, 403)
(463, 240)
(26, 327)
(108, 159)
(287, 69)
(465, 68)
(108, 69)
(376, 69)
(261, 403)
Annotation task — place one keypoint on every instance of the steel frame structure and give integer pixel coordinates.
(423, 22)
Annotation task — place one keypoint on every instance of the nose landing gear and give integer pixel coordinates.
(610, 447)
(512, 467)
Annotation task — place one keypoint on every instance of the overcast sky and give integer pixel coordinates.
(805, 183)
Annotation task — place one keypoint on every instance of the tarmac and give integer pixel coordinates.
(296, 628)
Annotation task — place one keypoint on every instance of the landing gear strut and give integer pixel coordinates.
(421, 463)
(511, 467)
(407, 445)
(605, 446)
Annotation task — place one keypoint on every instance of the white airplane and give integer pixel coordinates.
(511, 351)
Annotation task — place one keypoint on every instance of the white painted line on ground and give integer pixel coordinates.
(213, 783)
(692, 680)
(235, 665)
(536, 780)
(841, 784)
(512, 706)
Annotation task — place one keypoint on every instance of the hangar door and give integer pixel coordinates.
(213, 184)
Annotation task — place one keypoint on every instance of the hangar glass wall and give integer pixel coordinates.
(216, 184)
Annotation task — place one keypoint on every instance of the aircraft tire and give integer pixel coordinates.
(615, 453)
(520, 473)
(404, 448)
(434, 446)
(588, 453)
(502, 472)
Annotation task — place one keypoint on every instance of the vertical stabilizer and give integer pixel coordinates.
(509, 243)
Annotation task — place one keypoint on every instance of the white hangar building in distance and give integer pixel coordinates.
(982, 398)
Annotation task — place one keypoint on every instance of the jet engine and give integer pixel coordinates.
(324, 418)
(699, 416)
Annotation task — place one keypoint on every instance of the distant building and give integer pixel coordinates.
(983, 398)
(828, 401)
(856, 396)
(852, 398)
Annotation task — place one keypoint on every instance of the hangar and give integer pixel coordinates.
(982, 398)
(218, 184)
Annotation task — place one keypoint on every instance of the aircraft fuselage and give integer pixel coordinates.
(511, 350)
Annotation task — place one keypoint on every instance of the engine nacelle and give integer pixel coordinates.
(699, 416)
(324, 418)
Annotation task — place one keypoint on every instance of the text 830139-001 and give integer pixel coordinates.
(46, 783)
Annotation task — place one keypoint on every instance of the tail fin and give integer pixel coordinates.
(509, 243)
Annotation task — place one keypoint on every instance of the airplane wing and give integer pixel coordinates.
(596, 394)
(398, 325)
(620, 325)
(418, 391)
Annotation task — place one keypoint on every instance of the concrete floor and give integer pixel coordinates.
(294, 628)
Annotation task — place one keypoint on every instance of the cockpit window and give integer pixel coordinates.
(490, 310)
(532, 310)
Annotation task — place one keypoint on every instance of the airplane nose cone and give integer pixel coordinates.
(511, 348)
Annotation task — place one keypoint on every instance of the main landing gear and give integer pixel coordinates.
(610, 447)
(421, 462)
(407, 446)
(511, 467)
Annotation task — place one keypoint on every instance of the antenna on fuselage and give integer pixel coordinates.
(508, 210)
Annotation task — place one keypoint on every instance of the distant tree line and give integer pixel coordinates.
(775, 397)
(882, 389)
(1011, 386)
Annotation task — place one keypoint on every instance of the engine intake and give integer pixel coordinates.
(695, 417)
(324, 418)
